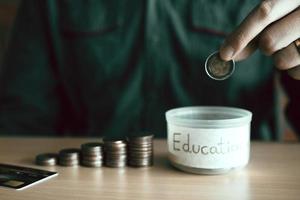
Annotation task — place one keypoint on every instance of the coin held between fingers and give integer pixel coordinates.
(218, 69)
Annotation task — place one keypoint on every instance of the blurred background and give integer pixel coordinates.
(8, 11)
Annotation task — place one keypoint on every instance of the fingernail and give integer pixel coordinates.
(226, 53)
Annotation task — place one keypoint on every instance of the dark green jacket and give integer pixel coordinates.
(96, 67)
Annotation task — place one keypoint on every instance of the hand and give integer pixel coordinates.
(272, 26)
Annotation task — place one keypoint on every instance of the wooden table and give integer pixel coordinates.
(273, 173)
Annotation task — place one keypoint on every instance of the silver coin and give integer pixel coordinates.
(140, 145)
(218, 69)
(69, 157)
(116, 165)
(123, 157)
(140, 156)
(115, 148)
(115, 160)
(141, 149)
(46, 159)
(92, 158)
(141, 162)
(140, 137)
(91, 154)
(131, 144)
(91, 147)
(88, 161)
(113, 140)
(115, 153)
(70, 153)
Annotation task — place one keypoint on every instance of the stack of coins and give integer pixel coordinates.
(46, 159)
(115, 152)
(69, 157)
(140, 150)
(91, 154)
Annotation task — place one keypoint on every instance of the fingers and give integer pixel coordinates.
(247, 51)
(287, 58)
(294, 73)
(263, 15)
(280, 34)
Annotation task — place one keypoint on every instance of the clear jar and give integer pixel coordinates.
(208, 139)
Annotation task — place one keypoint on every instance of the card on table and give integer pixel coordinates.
(18, 177)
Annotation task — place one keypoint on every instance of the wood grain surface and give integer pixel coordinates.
(273, 173)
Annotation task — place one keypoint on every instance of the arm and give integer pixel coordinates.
(272, 26)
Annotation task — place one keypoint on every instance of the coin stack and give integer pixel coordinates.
(46, 159)
(91, 154)
(140, 150)
(69, 157)
(115, 152)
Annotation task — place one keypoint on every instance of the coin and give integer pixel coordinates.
(115, 164)
(139, 137)
(92, 158)
(91, 147)
(140, 149)
(218, 69)
(46, 159)
(115, 152)
(119, 147)
(71, 153)
(111, 140)
(92, 154)
(134, 155)
(69, 157)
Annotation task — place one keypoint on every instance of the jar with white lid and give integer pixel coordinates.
(208, 139)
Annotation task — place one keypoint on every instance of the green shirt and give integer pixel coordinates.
(97, 67)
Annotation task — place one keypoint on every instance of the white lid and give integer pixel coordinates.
(208, 116)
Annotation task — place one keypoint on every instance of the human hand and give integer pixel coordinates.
(272, 26)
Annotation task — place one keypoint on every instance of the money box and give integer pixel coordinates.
(208, 140)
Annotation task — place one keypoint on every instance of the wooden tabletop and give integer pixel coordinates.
(273, 173)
